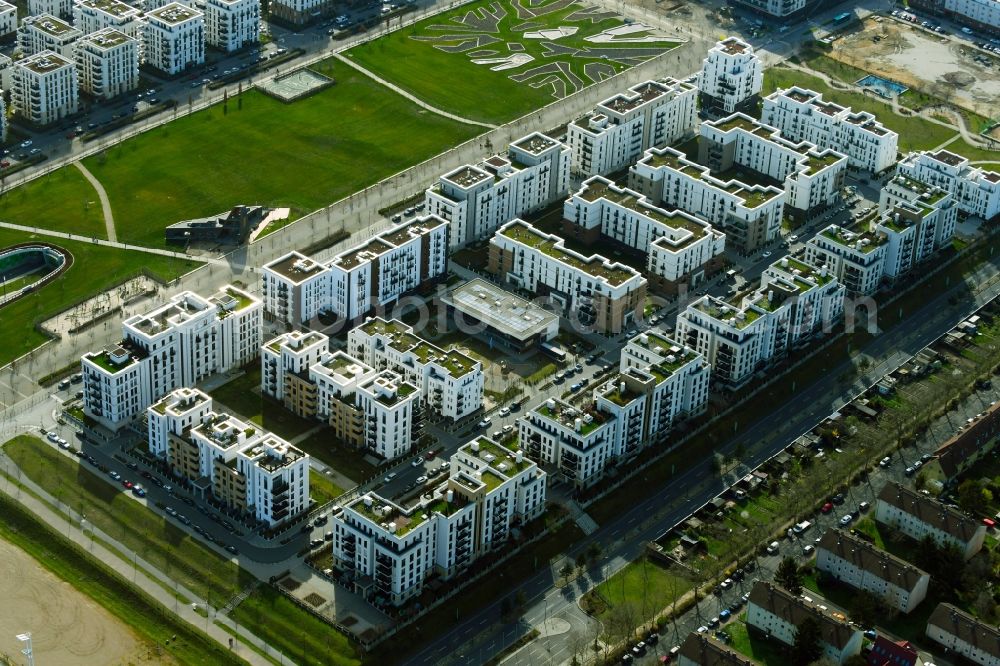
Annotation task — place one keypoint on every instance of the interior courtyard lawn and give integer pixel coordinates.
(256, 150)
(95, 269)
(452, 82)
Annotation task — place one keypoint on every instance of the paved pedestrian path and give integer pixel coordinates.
(109, 218)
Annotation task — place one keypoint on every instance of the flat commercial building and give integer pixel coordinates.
(47, 33)
(599, 293)
(232, 24)
(475, 200)
(621, 128)
(93, 15)
(731, 78)
(750, 214)
(450, 383)
(500, 316)
(45, 88)
(919, 516)
(862, 565)
(393, 548)
(174, 38)
(962, 634)
(680, 248)
(177, 344)
(975, 191)
(802, 115)
(811, 177)
(107, 62)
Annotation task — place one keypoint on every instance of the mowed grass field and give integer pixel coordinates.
(95, 269)
(62, 200)
(452, 82)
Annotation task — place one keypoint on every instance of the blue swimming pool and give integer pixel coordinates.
(883, 87)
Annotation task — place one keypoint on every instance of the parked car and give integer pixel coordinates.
(885, 462)
(772, 548)
(846, 519)
(504, 411)
(417, 462)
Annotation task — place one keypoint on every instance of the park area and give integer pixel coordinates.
(496, 60)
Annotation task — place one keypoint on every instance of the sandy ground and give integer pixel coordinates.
(67, 628)
(944, 70)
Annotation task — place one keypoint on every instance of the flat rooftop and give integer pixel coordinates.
(566, 415)
(45, 62)
(52, 26)
(466, 176)
(535, 144)
(342, 367)
(114, 7)
(295, 267)
(107, 38)
(498, 457)
(403, 340)
(951, 159)
(498, 308)
(734, 46)
(175, 13)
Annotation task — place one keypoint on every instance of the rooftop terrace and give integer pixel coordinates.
(295, 267)
(567, 415)
(175, 13)
(500, 458)
(45, 62)
(107, 38)
(535, 144)
(114, 7)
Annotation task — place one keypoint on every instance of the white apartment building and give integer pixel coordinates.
(174, 38)
(4, 123)
(294, 288)
(621, 128)
(917, 222)
(107, 62)
(337, 377)
(175, 413)
(856, 259)
(599, 293)
(680, 248)
(975, 191)
(811, 177)
(962, 634)
(579, 442)
(47, 33)
(862, 565)
(177, 344)
(232, 24)
(794, 303)
(450, 383)
(476, 199)
(802, 115)
(44, 88)
(6, 72)
(291, 353)
(392, 548)
(379, 271)
(918, 516)
(93, 15)
(731, 78)
(60, 8)
(983, 15)
(277, 479)
(776, 613)
(8, 19)
(389, 405)
(300, 12)
(750, 214)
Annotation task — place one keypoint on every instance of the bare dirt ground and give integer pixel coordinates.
(67, 628)
(937, 66)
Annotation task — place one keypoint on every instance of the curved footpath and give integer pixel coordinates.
(109, 218)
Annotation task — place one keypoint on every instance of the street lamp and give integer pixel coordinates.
(26, 650)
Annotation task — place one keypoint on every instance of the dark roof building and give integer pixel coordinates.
(702, 650)
(960, 632)
(232, 227)
(919, 516)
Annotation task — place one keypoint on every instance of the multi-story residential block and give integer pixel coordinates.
(967, 447)
(682, 377)
(300, 12)
(862, 565)
(174, 38)
(885, 652)
(579, 442)
(286, 360)
(93, 15)
(336, 378)
(232, 24)
(394, 263)
(975, 191)
(775, 612)
(177, 344)
(704, 650)
(107, 62)
(731, 78)
(811, 177)
(621, 128)
(392, 548)
(794, 303)
(856, 259)
(294, 288)
(964, 635)
(60, 8)
(750, 214)
(44, 88)
(802, 115)
(228, 460)
(6, 72)
(680, 248)
(389, 405)
(476, 199)
(450, 383)
(917, 221)
(919, 516)
(8, 19)
(605, 295)
(982, 15)
(47, 33)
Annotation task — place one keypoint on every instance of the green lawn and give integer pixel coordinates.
(765, 652)
(256, 150)
(62, 200)
(323, 489)
(352, 464)
(95, 269)
(451, 81)
(641, 590)
(242, 395)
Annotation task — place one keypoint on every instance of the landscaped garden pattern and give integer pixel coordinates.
(497, 60)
